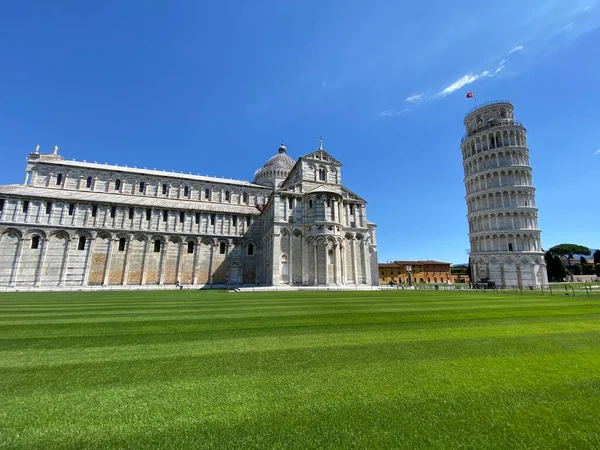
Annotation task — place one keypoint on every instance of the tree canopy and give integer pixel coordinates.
(568, 250)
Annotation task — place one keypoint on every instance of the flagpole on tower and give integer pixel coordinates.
(472, 95)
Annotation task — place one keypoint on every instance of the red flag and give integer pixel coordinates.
(470, 95)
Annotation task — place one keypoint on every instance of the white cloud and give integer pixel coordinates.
(414, 98)
(393, 112)
(597, 152)
(470, 78)
(518, 48)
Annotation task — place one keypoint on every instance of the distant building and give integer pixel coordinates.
(420, 272)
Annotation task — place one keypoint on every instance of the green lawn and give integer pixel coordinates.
(397, 369)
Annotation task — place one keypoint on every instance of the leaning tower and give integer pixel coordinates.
(503, 220)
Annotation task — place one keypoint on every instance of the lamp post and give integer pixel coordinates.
(408, 270)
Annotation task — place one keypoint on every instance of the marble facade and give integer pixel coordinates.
(75, 223)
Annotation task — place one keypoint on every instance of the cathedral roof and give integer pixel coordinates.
(278, 165)
(281, 160)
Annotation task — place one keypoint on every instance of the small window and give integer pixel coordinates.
(181, 217)
(510, 247)
(222, 248)
(164, 189)
(247, 220)
(122, 244)
(328, 203)
(250, 249)
(59, 179)
(71, 209)
(290, 202)
(48, 207)
(212, 219)
(234, 221)
(88, 182)
(25, 206)
(322, 175)
(113, 212)
(1, 204)
(310, 203)
(156, 246)
(117, 185)
(142, 186)
(81, 245)
(352, 209)
(35, 242)
(131, 213)
(207, 194)
(165, 216)
(226, 196)
(191, 247)
(148, 214)
(245, 197)
(197, 218)
(186, 191)
(94, 210)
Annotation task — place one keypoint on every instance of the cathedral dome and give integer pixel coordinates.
(277, 167)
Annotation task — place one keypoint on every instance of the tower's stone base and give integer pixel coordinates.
(509, 269)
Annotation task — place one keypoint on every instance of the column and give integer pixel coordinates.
(354, 259)
(42, 262)
(27, 174)
(326, 251)
(290, 267)
(147, 243)
(305, 266)
(89, 262)
(63, 275)
(108, 261)
(179, 262)
(15, 269)
(211, 263)
(126, 265)
(195, 263)
(367, 264)
(343, 263)
(163, 262)
(316, 245)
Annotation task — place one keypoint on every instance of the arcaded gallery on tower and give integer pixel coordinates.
(76, 223)
(503, 218)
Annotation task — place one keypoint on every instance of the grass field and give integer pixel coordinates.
(399, 369)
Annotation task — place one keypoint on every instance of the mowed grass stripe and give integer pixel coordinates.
(72, 352)
(299, 370)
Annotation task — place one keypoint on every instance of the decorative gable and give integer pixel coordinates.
(322, 155)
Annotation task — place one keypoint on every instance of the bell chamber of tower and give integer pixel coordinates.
(504, 233)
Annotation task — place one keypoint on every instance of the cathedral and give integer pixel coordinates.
(80, 224)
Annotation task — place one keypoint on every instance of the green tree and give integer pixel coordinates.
(577, 269)
(560, 270)
(568, 250)
(550, 266)
(597, 257)
(598, 270)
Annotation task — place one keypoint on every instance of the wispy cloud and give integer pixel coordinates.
(414, 98)
(597, 152)
(394, 112)
(518, 48)
(471, 78)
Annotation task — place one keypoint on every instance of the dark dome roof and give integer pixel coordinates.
(277, 166)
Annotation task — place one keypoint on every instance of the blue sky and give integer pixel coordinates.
(213, 87)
